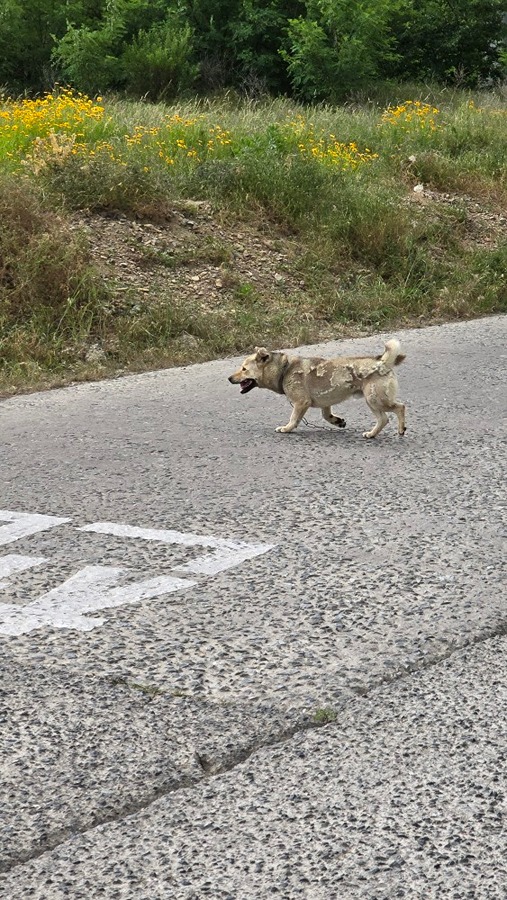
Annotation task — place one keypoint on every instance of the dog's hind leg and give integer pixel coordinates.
(382, 419)
(380, 395)
(298, 412)
(377, 397)
(399, 409)
(381, 423)
(332, 419)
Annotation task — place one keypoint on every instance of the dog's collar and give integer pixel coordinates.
(279, 387)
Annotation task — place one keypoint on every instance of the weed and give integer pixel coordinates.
(324, 716)
(50, 294)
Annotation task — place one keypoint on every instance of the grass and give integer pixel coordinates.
(51, 297)
(325, 716)
(333, 184)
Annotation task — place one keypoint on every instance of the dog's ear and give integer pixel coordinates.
(262, 355)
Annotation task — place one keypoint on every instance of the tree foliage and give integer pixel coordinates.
(449, 39)
(338, 46)
(314, 49)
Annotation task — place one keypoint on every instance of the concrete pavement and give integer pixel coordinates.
(173, 750)
(403, 796)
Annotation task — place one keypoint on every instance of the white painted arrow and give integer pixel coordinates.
(14, 562)
(91, 589)
(20, 525)
(226, 553)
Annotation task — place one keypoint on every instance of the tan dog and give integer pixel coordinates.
(322, 382)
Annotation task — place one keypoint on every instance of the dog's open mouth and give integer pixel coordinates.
(247, 384)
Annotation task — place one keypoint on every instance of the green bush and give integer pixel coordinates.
(158, 62)
(89, 58)
(337, 47)
(100, 182)
(458, 42)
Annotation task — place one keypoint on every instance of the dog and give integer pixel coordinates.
(315, 381)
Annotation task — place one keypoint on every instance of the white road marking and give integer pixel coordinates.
(185, 538)
(96, 587)
(20, 525)
(13, 562)
(226, 558)
(227, 553)
(90, 589)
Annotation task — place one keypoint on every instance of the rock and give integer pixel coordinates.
(189, 340)
(95, 355)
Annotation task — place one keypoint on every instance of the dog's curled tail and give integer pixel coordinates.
(391, 355)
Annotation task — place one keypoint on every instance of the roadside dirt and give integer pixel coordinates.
(483, 227)
(192, 255)
(229, 285)
(197, 258)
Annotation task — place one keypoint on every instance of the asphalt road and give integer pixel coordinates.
(241, 664)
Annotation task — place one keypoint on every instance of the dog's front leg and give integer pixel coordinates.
(297, 414)
(329, 416)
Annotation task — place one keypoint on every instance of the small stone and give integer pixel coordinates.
(95, 354)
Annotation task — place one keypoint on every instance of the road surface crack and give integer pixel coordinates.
(211, 767)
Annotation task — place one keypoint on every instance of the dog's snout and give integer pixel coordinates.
(231, 379)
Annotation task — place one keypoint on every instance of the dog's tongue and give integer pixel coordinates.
(246, 385)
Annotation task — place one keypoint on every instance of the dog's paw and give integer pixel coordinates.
(283, 429)
(340, 423)
(368, 434)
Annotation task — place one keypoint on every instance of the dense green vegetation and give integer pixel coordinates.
(309, 49)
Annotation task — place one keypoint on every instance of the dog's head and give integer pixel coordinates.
(251, 372)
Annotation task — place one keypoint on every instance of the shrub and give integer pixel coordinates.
(159, 63)
(337, 47)
(101, 180)
(89, 58)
